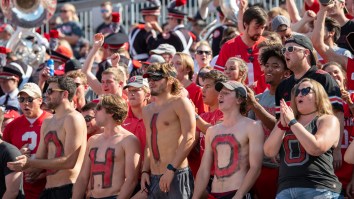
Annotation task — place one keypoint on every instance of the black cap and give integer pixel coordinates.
(72, 64)
(176, 13)
(151, 11)
(116, 40)
(303, 41)
(159, 74)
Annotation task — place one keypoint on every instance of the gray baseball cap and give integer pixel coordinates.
(164, 49)
(278, 21)
(137, 82)
(232, 85)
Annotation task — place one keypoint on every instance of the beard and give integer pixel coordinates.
(53, 104)
(255, 37)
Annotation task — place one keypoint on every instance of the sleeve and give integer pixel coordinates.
(9, 155)
(76, 30)
(333, 92)
(6, 134)
(222, 59)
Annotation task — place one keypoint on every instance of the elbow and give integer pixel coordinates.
(348, 158)
(316, 151)
(269, 151)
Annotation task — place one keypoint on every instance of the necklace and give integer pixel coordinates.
(309, 113)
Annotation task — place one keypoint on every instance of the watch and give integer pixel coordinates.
(171, 168)
(292, 122)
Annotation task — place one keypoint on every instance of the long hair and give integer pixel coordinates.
(323, 104)
(187, 63)
(242, 66)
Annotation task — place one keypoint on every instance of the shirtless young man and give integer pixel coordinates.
(170, 133)
(110, 168)
(234, 147)
(62, 142)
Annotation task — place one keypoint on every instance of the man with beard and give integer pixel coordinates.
(245, 47)
(24, 133)
(171, 136)
(62, 141)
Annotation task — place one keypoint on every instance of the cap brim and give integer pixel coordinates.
(148, 74)
(220, 85)
(157, 51)
(136, 85)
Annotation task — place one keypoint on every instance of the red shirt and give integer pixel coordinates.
(237, 48)
(195, 94)
(344, 173)
(314, 7)
(20, 132)
(136, 126)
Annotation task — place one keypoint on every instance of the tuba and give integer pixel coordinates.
(230, 9)
(28, 15)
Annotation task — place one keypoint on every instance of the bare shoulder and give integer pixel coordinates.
(47, 120)
(148, 108)
(213, 129)
(327, 120)
(252, 125)
(129, 139)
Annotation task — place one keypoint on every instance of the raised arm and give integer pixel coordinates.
(87, 67)
(293, 11)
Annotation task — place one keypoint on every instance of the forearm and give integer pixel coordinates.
(340, 117)
(349, 154)
(300, 26)
(80, 187)
(293, 11)
(10, 194)
(183, 150)
(201, 182)
(273, 143)
(266, 118)
(146, 162)
(64, 162)
(249, 180)
(73, 39)
(202, 125)
(128, 187)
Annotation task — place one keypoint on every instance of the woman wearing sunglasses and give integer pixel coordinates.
(305, 137)
(202, 56)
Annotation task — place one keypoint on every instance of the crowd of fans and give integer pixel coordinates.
(261, 107)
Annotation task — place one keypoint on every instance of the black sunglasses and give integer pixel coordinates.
(49, 91)
(303, 91)
(154, 78)
(25, 99)
(88, 118)
(77, 84)
(200, 52)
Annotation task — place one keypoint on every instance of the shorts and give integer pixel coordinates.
(62, 192)
(227, 195)
(182, 186)
(108, 197)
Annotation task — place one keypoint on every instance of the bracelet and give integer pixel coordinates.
(147, 172)
(196, 116)
(283, 128)
(292, 122)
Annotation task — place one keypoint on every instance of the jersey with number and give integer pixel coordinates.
(237, 48)
(20, 132)
(344, 173)
(329, 84)
(300, 169)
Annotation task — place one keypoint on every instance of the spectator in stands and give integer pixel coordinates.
(6, 31)
(88, 111)
(184, 66)
(106, 13)
(236, 69)
(202, 72)
(203, 56)
(305, 137)
(70, 29)
(167, 51)
(82, 87)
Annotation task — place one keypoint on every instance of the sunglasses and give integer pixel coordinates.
(26, 99)
(104, 10)
(200, 52)
(64, 11)
(303, 91)
(154, 78)
(77, 84)
(290, 49)
(88, 118)
(49, 91)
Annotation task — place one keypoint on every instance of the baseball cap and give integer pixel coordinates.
(31, 89)
(278, 21)
(232, 85)
(6, 27)
(303, 41)
(154, 59)
(137, 81)
(164, 48)
(72, 64)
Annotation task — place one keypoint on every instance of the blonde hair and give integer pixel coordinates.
(170, 73)
(115, 105)
(74, 74)
(116, 72)
(242, 65)
(72, 8)
(203, 43)
(187, 63)
(323, 104)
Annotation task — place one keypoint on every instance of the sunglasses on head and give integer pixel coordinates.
(88, 118)
(25, 99)
(200, 52)
(303, 91)
(290, 49)
(155, 78)
(49, 91)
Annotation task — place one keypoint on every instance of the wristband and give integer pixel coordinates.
(292, 122)
(283, 128)
(196, 116)
(171, 168)
(145, 172)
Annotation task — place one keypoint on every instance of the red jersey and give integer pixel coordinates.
(344, 173)
(237, 48)
(136, 126)
(195, 94)
(20, 132)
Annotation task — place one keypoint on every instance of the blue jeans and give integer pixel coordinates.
(308, 193)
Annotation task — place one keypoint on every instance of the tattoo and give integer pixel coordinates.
(104, 168)
(154, 146)
(52, 136)
(232, 166)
